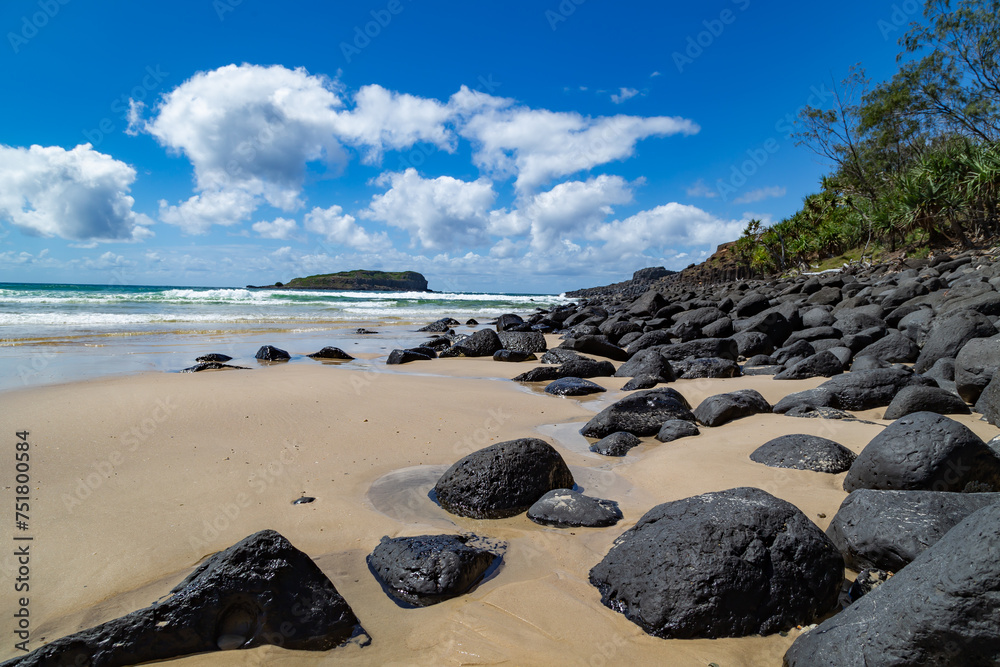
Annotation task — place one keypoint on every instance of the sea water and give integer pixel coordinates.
(57, 333)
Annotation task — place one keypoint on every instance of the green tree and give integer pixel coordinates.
(955, 84)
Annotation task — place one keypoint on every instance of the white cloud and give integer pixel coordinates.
(338, 227)
(106, 262)
(569, 208)
(441, 212)
(701, 189)
(79, 194)
(760, 194)
(253, 134)
(537, 145)
(505, 249)
(383, 119)
(217, 207)
(250, 124)
(251, 129)
(654, 74)
(623, 94)
(11, 258)
(673, 223)
(279, 228)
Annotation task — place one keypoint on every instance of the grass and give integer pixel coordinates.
(849, 256)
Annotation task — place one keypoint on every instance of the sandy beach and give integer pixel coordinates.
(136, 479)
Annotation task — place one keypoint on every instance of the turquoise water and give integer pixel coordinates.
(57, 333)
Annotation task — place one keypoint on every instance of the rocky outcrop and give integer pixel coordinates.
(358, 280)
(640, 414)
(571, 386)
(616, 444)
(725, 564)
(260, 591)
(428, 569)
(888, 529)
(331, 353)
(941, 609)
(502, 480)
(271, 353)
(565, 508)
(804, 452)
(640, 282)
(721, 408)
(925, 451)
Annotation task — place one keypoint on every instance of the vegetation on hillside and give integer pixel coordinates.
(916, 159)
(359, 279)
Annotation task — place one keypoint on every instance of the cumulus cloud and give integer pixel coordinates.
(10, 258)
(570, 208)
(107, 261)
(338, 227)
(760, 194)
(255, 134)
(505, 249)
(217, 207)
(623, 94)
(537, 145)
(79, 194)
(441, 212)
(251, 129)
(250, 132)
(256, 130)
(673, 223)
(384, 119)
(279, 228)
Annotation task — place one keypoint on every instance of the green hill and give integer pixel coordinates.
(356, 280)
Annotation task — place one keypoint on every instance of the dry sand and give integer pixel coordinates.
(137, 479)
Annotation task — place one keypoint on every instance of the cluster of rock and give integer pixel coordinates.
(921, 339)
(513, 340)
(920, 343)
(919, 523)
(640, 282)
(266, 354)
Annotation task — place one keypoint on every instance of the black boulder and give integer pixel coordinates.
(502, 480)
(724, 564)
(428, 569)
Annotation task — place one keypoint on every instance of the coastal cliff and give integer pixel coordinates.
(640, 282)
(356, 280)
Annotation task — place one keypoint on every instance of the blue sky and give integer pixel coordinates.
(497, 146)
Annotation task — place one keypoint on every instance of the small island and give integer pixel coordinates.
(361, 280)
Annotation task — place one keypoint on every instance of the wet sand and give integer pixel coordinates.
(136, 479)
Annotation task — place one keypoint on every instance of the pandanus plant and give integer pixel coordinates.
(982, 184)
(931, 194)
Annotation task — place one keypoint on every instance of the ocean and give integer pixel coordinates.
(53, 333)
